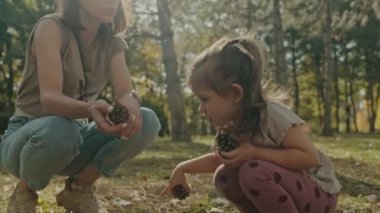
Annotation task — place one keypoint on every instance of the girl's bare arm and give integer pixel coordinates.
(207, 163)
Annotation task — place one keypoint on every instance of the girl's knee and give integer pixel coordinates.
(253, 171)
(225, 179)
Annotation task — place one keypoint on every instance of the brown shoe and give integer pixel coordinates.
(78, 200)
(22, 201)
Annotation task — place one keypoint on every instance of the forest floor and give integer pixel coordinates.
(137, 184)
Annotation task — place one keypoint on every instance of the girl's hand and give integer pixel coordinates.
(134, 122)
(243, 153)
(98, 111)
(177, 178)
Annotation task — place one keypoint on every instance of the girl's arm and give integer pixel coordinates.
(296, 152)
(204, 164)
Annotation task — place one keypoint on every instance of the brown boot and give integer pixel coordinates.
(78, 200)
(22, 201)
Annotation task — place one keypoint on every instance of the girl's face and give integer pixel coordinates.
(102, 11)
(220, 110)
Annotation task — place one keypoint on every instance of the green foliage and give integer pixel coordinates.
(196, 24)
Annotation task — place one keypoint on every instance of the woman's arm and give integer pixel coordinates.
(296, 152)
(123, 88)
(120, 77)
(47, 44)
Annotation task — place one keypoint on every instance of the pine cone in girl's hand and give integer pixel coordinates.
(119, 114)
(224, 142)
(179, 192)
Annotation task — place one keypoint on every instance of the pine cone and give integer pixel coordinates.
(225, 143)
(179, 192)
(119, 114)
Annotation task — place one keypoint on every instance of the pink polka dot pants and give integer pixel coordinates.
(259, 186)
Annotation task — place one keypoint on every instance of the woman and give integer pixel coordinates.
(70, 57)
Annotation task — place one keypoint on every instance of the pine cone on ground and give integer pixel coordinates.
(224, 142)
(119, 114)
(179, 192)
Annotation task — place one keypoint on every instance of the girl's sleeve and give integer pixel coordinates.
(280, 119)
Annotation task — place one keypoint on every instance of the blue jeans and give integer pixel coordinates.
(36, 149)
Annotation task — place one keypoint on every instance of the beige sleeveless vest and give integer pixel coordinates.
(96, 69)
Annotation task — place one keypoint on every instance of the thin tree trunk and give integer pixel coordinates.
(327, 130)
(250, 11)
(370, 96)
(347, 108)
(353, 105)
(203, 127)
(337, 91)
(319, 86)
(371, 106)
(295, 79)
(179, 130)
(279, 49)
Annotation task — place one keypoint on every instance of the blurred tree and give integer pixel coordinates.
(279, 50)
(329, 69)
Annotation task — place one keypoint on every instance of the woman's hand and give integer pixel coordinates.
(134, 122)
(177, 178)
(98, 111)
(243, 153)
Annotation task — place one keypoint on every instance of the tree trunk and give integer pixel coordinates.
(337, 91)
(319, 85)
(179, 130)
(203, 127)
(353, 105)
(295, 79)
(327, 130)
(279, 49)
(250, 11)
(347, 98)
(371, 106)
(370, 96)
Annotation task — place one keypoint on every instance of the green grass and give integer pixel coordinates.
(136, 186)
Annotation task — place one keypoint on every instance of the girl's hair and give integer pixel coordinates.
(71, 13)
(238, 60)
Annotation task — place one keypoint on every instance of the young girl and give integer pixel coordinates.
(275, 167)
(70, 57)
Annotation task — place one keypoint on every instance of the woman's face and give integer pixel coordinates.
(103, 11)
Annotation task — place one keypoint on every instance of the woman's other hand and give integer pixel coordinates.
(134, 122)
(98, 111)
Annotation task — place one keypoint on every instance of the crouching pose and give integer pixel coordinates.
(264, 161)
(70, 57)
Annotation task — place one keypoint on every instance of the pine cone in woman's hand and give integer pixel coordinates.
(224, 142)
(119, 114)
(179, 192)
